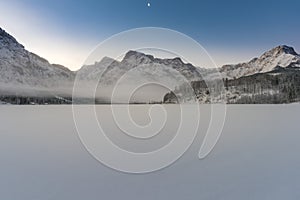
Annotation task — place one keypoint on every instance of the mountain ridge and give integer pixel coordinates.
(25, 73)
(281, 55)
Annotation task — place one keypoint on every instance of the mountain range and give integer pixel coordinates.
(26, 78)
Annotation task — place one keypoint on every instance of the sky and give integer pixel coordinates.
(66, 31)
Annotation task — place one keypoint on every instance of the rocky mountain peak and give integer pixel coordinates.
(286, 49)
(22, 69)
(279, 50)
(7, 40)
(141, 58)
(135, 55)
(283, 56)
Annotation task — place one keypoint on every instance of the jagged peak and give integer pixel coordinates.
(136, 54)
(287, 49)
(177, 60)
(9, 38)
(281, 49)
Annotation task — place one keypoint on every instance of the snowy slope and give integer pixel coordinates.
(282, 56)
(20, 68)
(136, 70)
(137, 66)
(25, 73)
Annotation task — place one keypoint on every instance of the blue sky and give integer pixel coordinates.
(65, 31)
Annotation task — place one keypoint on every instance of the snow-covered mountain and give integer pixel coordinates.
(135, 70)
(274, 77)
(138, 66)
(281, 56)
(26, 74)
(22, 70)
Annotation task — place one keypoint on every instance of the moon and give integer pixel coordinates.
(148, 4)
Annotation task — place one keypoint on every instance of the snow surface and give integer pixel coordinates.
(257, 157)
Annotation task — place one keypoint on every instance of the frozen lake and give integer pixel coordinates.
(257, 157)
